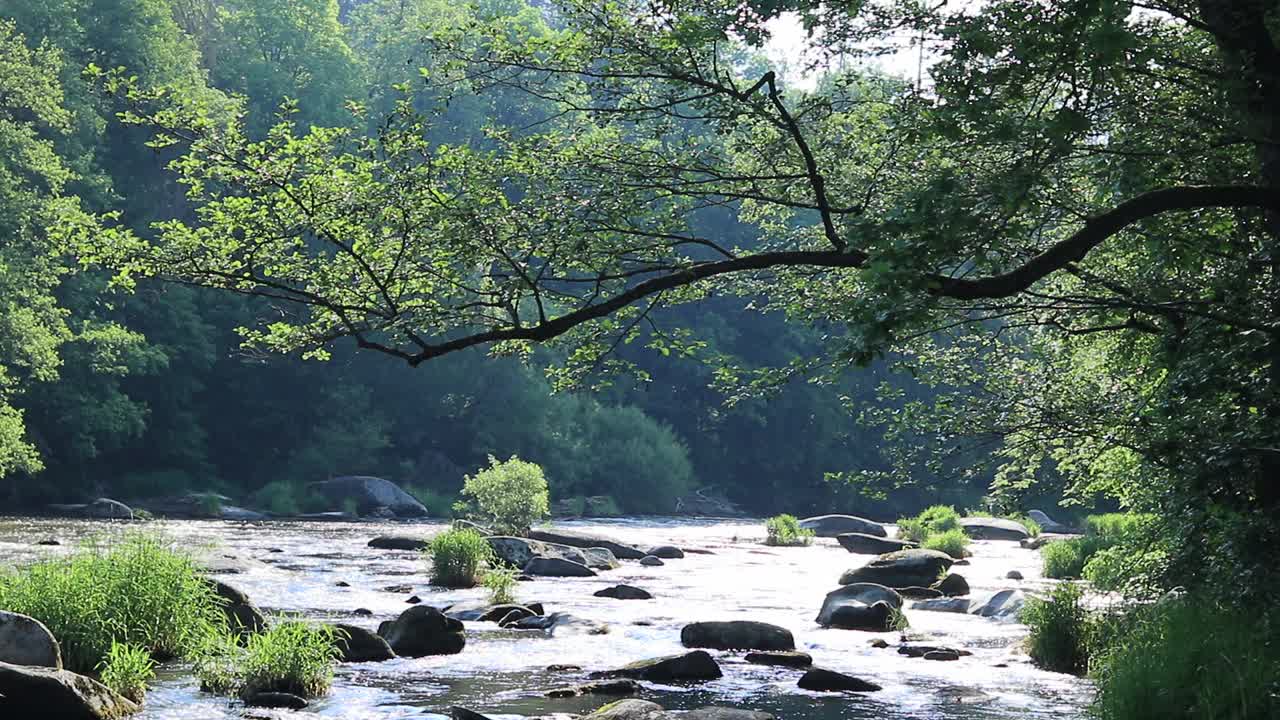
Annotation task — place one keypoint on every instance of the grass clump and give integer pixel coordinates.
(935, 519)
(1103, 533)
(785, 531)
(1183, 659)
(457, 556)
(501, 584)
(952, 542)
(292, 656)
(127, 669)
(138, 592)
(437, 504)
(1061, 630)
(1066, 558)
(509, 495)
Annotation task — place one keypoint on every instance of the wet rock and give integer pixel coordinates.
(1000, 605)
(363, 612)
(26, 641)
(557, 567)
(502, 613)
(1013, 575)
(599, 687)
(696, 665)
(355, 644)
(624, 592)
(108, 509)
(719, 713)
(342, 584)
(398, 542)
(461, 713)
(822, 680)
(666, 552)
(564, 668)
(284, 700)
(626, 710)
(1046, 523)
(984, 528)
(878, 643)
(242, 615)
(953, 585)
(942, 655)
(651, 561)
(423, 630)
(919, 651)
(49, 541)
(737, 635)
(414, 600)
(864, 544)
(368, 494)
(560, 623)
(600, 559)
(904, 568)
(952, 605)
(786, 658)
(275, 550)
(919, 593)
(859, 598)
(517, 551)
(699, 551)
(404, 589)
(40, 692)
(837, 525)
(622, 551)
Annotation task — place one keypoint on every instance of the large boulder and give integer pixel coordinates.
(1046, 523)
(696, 665)
(904, 568)
(108, 509)
(423, 630)
(985, 528)
(355, 644)
(1000, 605)
(242, 615)
(860, 606)
(557, 567)
(26, 641)
(518, 551)
(864, 544)
(49, 694)
(737, 635)
(598, 558)
(622, 551)
(822, 680)
(398, 542)
(368, 494)
(837, 525)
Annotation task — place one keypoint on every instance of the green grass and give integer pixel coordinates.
(785, 531)
(291, 656)
(1180, 659)
(952, 542)
(1071, 558)
(137, 592)
(501, 584)
(437, 504)
(934, 519)
(1061, 630)
(1064, 558)
(457, 557)
(127, 669)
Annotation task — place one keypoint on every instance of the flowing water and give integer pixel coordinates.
(288, 567)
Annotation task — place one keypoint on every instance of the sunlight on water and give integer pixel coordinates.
(294, 568)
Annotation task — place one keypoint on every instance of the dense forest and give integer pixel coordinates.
(151, 389)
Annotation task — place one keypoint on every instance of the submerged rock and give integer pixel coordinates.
(919, 651)
(355, 644)
(919, 593)
(423, 630)
(620, 550)
(368, 494)
(786, 658)
(737, 635)
(851, 607)
(864, 544)
(398, 542)
(943, 655)
(26, 641)
(460, 713)
(984, 528)
(953, 605)
(822, 680)
(600, 687)
(696, 665)
(720, 713)
(288, 701)
(904, 568)
(624, 592)
(666, 552)
(836, 525)
(651, 561)
(39, 692)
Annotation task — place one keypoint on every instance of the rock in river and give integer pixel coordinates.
(26, 641)
(398, 542)
(1046, 523)
(285, 700)
(243, 616)
(651, 561)
(953, 585)
(823, 680)
(423, 630)
(837, 525)
(368, 494)
(864, 544)
(620, 686)
(626, 710)
(621, 551)
(953, 605)
(1000, 605)
(667, 552)
(904, 568)
(696, 665)
(785, 658)
(355, 644)
(36, 692)
(860, 606)
(518, 551)
(737, 635)
(985, 528)
(557, 567)
(624, 592)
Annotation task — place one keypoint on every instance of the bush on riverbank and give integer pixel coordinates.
(1062, 631)
(291, 656)
(952, 542)
(785, 531)
(457, 557)
(935, 519)
(509, 495)
(137, 592)
(1070, 558)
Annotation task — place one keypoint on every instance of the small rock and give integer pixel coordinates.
(342, 583)
(953, 605)
(822, 680)
(666, 552)
(414, 600)
(904, 568)
(878, 643)
(984, 528)
(920, 593)
(953, 585)
(398, 542)
(625, 710)
(461, 713)
(624, 592)
(864, 544)
(564, 668)
(917, 651)
(405, 589)
(651, 561)
(837, 525)
(720, 713)
(49, 541)
(600, 687)
(1013, 575)
(943, 655)
(275, 700)
(365, 612)
(243, 616)
(786, 658)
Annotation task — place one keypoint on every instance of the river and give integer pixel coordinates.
(291, 567)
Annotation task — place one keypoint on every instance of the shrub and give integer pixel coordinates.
(138, 592)
(127, 669)
(510, 495)
(935, 519)
(279, 498)
(457, 555)
(952, 542)
(437, 504)
(1063, 558)
(1183, 659)
(1061, 632)
(1117, 526)
(290, 656)
(785, 530)
(501, 584)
